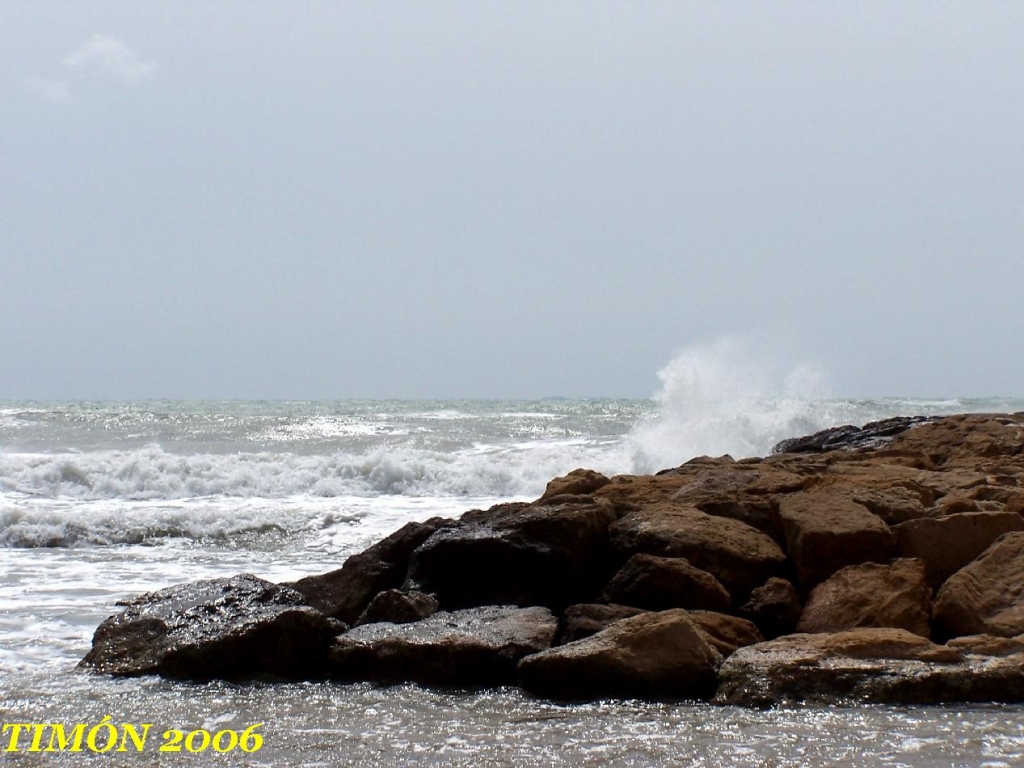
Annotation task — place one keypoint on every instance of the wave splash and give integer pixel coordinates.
(729, 398)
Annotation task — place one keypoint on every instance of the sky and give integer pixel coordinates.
(507, 199)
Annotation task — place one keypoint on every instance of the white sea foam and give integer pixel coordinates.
(152, 473)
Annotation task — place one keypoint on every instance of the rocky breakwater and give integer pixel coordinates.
(882, 564)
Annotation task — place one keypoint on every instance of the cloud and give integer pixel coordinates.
(54, 91)
(110, 55)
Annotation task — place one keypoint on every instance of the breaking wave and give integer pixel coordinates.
(153, 473)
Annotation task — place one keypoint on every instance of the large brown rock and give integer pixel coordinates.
(967, 440)
(586, 619)
(989, 645)
(894, 494)
(653, 655)
(660, 583)
(577, 482)
(345, 592)
(865, 665)
(986, 596)
(736, 554)
(725, 633)
(826, 532)
(947, 544)
(871, 595)
(551, 553)
(236, 628)
(721, 487)
(471, 647)
(774, 607)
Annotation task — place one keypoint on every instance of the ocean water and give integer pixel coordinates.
(102, 500)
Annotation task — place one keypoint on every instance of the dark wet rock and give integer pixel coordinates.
(739, 556)
(865, 665)
(986, 596)
(577, 482)
(586, 619)
(236, 628)
(849, 437)
(774, 607)
(660, 583)
(398, 607)
(551, 553)
(825, 532)
(472, 647)
(725, 633)
(871, 595)
(345, 593)
(947, 544)
(653, 656)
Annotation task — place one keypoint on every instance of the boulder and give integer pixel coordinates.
(398, 607)
(345, 593)
(871, 595)
(826, 532)
(774, 607)
(551, 553)
(986, 596)
(739, 556)
(231, 629)
(875, 434)
(967, 440)
(947, 544)
(471, 647)
(660, 583)
(722, 487)
(586, 619)
(577, 482)
(653, 656)
(725, 633)
(740, 491)
(865, 665)
(989, 645)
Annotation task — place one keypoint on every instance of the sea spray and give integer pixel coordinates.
(728, 397)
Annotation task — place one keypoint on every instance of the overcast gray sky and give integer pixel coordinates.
(516, 199)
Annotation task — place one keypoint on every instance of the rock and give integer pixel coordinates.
(894, 494)
(967, 440)
(230, 629)
(865, 665)
(736, 554)
(550, 553)
(471, 647)
(398, 607)
(988, 645)
(986, 596)
(719, 487)
(947, 544)
(586, 619)
(871, 595)
(577, 482)
(653, 656)
(826, 532)
(774, 607)
(660, 583)
(345, 593)
(872, 435)
(725, 633)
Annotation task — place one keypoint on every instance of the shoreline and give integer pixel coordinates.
(711, 573)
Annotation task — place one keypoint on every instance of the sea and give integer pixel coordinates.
(100, 501)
